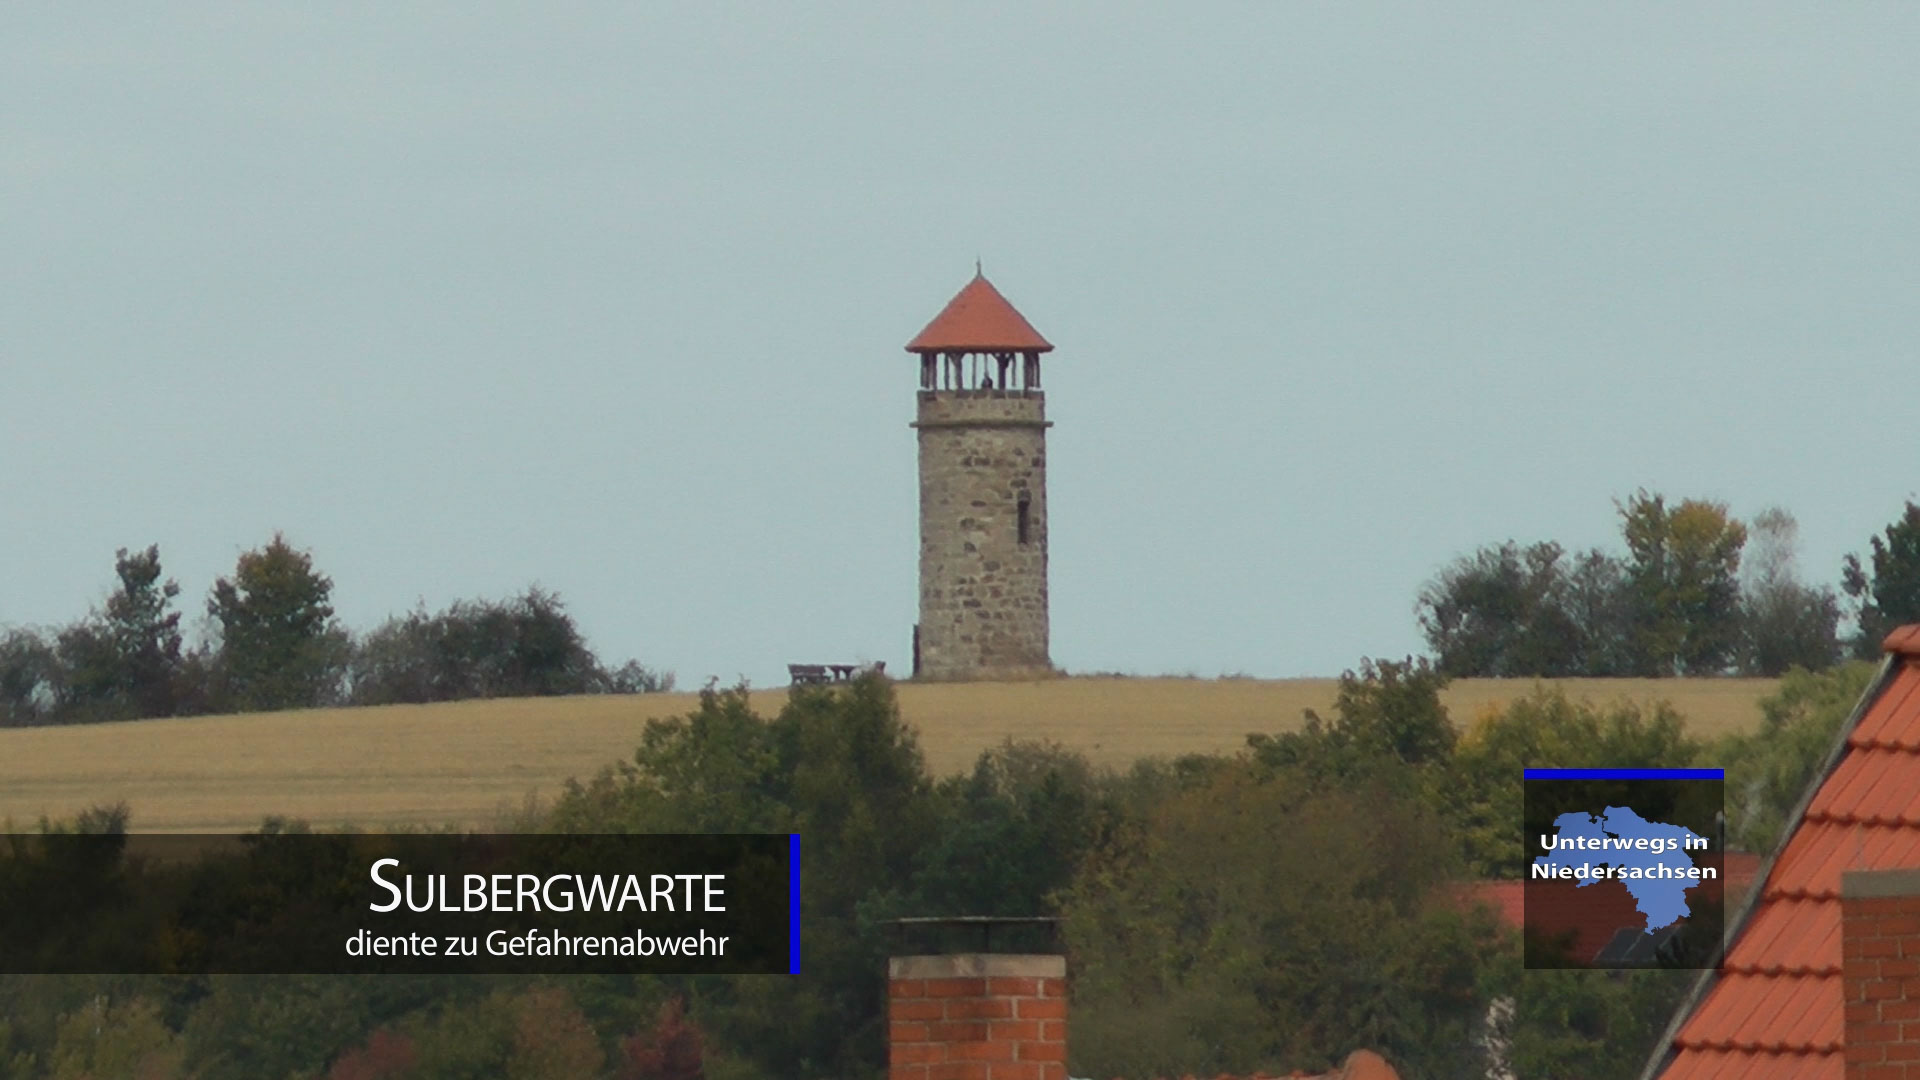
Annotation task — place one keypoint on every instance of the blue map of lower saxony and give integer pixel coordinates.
(1657, 874)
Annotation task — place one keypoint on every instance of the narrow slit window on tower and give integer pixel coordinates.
(1026, 518)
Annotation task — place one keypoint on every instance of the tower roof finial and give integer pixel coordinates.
(977, 272)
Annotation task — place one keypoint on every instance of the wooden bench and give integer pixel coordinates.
(807, 674)
(816, 674)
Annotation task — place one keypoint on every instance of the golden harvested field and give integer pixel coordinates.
(467, 762)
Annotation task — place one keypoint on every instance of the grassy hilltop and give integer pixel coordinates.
(469, 761)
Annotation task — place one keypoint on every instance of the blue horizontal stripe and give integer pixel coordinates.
(1626, 774)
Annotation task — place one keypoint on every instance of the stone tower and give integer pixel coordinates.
(982, 427)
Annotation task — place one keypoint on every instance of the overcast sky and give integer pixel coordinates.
(612, 299)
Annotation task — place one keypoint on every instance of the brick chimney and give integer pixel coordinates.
(1880, 972)
(977, 1016)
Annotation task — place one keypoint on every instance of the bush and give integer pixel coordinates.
(526, 646)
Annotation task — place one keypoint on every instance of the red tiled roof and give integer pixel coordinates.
(1775, 1008)
(1721, 1065)
(979, 319)
(1740, 868)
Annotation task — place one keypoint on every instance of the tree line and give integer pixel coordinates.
(1265, 910)
(1697, 592)
(273, 642)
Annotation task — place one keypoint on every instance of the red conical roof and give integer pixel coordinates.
(979, 319)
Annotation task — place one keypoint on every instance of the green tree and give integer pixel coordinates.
(1888, 595)
(715, 769)
(29, 678)
(838, 766)
(1259, 922)
(125, 661)
(1480, 791)
(1585, 1025)
(1012, 832)
(88, 678)
(125, 1039)
(1684, 566)
(279, 645)
(462, 1038)
(243, 1027)
(15, 1064)
(1504, 611)
(1600, 602)
(1785, 623)
(1387, 710)
(145, 632)
(552, 1038)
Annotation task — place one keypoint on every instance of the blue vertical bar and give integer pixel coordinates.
(793, 884)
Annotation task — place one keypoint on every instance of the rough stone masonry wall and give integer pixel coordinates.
(977, 1017)
(1880, 973)
(983, 594)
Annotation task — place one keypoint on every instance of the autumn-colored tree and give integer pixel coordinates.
(1684, 569)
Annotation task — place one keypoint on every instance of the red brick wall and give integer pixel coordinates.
(1880, 974)
(977, 1017)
